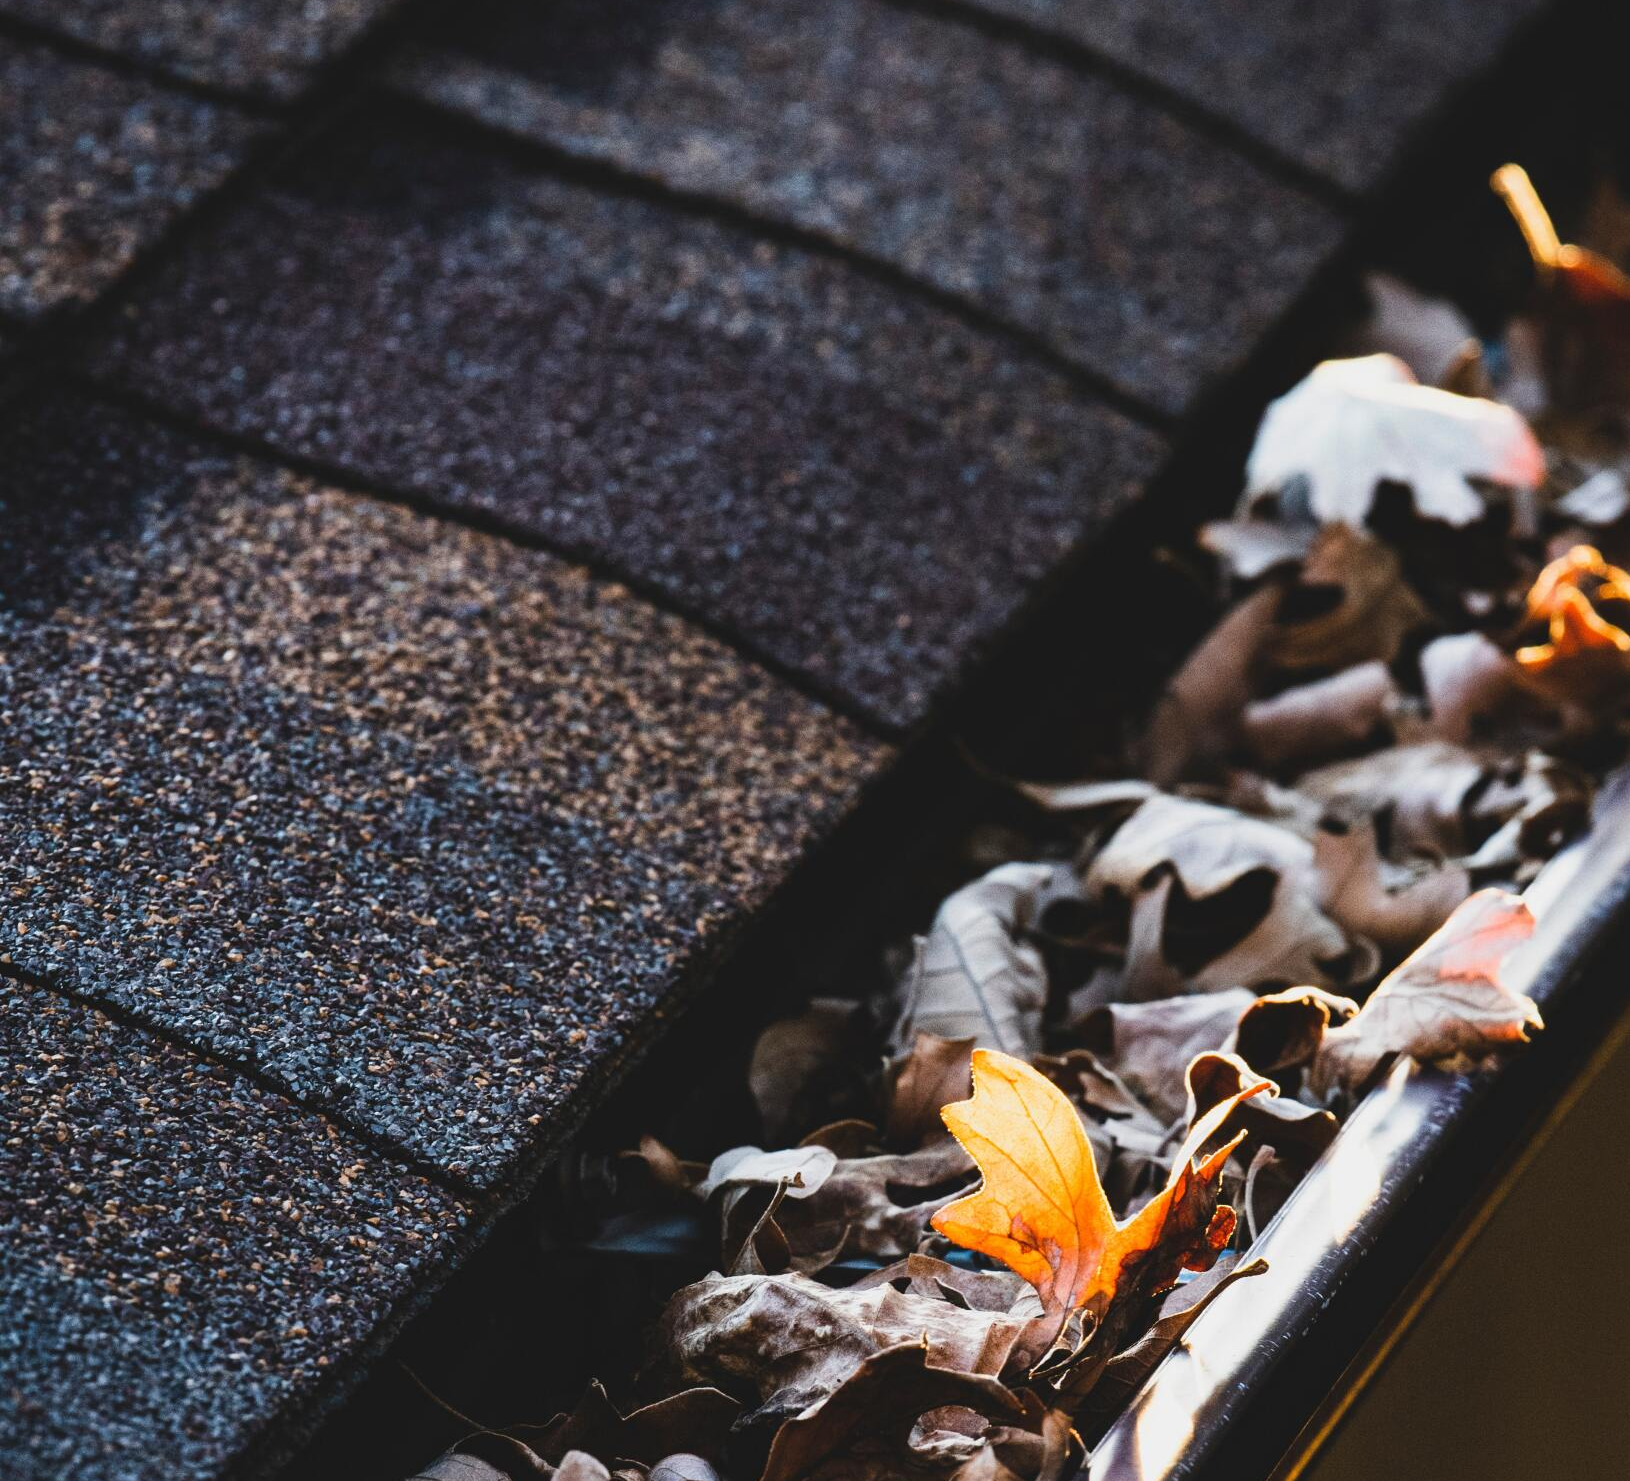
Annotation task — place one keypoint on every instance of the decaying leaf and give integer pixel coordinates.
(1041, 1209)
(1149, 1045)
(1329, 717)
(1269, 1119)
(1352, 425)
(863, 1431)
(1446, 1000)
(1349, 603)
(1394, 905)
(1123, 1375)
(1475, 690)
(1197, 716)
(1240, 904)
(978, 975)
(1281, 1033)
(1439, 800)
(792, 1059)
(792, 1342)
(932, 1073)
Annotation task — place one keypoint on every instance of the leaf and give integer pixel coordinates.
(1283, 1031)
(1124, 1374)
(1149, 1045)
(1041, 1209)
(793, 1341)
(1354, 424)
(1329, 717)
(1394, 905)
(1581, 654)
(933, 1073)
(1241, 902)
(977, 975)
(1197, 716)
(795, 1059)
(1445, 1000)
(868, 1421)
(1349, 603)
(1427, 334)
(1272, 1119)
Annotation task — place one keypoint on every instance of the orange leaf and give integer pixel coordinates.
(1041, 1209)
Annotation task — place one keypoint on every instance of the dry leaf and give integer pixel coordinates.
(932, 1074)
(1281, 1033)
(1326, 718)
(1239, 906)
(863, 1431)
(1249, 548)
(792, 1341)
(792, 1060)
(1149, 1045)
(1273, 1120)
(1439, 800)
(1041, 1209)
(978, 975)
(1429, 335)
(1197, 716)
(1446, 1000)
(1349, 603)
(1395, 905)
(1354, 424)
(878, 1207)
(1474, 689)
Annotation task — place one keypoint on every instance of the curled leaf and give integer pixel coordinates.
(977, 974)
(1446, 1000)
(1577, 604)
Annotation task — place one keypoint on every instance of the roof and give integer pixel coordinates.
(484, 502)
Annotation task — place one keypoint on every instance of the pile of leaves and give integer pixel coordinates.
(982, 1207)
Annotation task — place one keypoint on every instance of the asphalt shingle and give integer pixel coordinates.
(95, 166)
(856, 483)
(427, 827)
(267, 47)
(1123, 237)
(181, 1253)
(1341, 85)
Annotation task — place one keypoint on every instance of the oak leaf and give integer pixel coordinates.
(1042, 1210)
(1352, 425)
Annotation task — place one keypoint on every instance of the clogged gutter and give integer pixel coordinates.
(977, 1211)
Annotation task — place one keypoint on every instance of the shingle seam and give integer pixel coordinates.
(76, 48)
(1217, 127)
(612, 179)
(353, 481)
(379, 1145)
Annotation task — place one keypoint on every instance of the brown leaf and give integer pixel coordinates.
(1475, 691)
(1241, 904)
(792, 1059)
(792, 1341)
(1397, 906)
(1283, 1031)
(1329, 717)
(1445, 1000)
(978, 974)
(1349, 604)
(1268, 1119)
(932, 1073)
(866, 1424)
(1428, 334)
(1197, 717)
(1149, 1045)
(1125, 1373)
(873, 1206)
(696, 1419)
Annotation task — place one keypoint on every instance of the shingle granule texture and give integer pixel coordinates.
(855, 484)
(427, 827)
(181, 1253)
(1132, 243)
(1341, 85)
(93, 166)
(265, 47)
